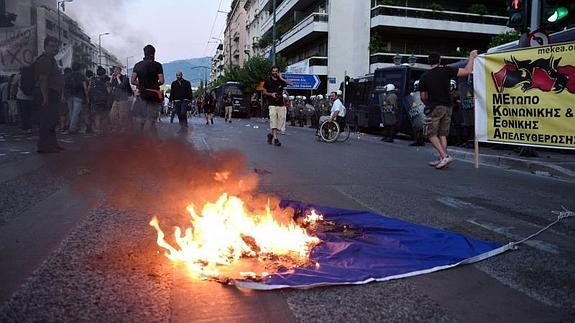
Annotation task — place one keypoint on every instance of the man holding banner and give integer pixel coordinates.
(435, 92)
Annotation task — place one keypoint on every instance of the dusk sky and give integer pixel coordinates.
(179, 29)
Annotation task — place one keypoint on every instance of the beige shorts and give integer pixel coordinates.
(440, 121)
(277, 116)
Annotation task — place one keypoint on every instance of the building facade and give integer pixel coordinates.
(36, 19)
(335, 38)
(235, 35)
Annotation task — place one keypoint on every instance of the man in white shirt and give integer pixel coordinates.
(337, 113)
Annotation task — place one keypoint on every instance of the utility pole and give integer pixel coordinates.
(274, 34)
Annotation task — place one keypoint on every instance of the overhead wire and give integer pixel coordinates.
(213, 26)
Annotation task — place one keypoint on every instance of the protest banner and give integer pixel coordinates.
(17, 48)
(526, 97)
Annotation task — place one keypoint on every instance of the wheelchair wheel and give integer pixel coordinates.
(329, 131)
(344, 133)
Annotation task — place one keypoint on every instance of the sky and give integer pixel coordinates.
(178, 29)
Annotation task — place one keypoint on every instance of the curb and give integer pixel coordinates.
(534, 167)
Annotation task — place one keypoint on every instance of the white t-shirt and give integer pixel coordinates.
(338, 106)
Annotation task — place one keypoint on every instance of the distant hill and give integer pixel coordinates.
(185, 65)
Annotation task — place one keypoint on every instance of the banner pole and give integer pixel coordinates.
(476, 146)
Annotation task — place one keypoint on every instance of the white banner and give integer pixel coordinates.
(64, 57)
(301, 67)
(17, 48)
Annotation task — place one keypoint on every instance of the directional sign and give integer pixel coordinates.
(302, 81)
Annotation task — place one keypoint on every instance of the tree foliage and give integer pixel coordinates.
(504, 38)
(255, 70)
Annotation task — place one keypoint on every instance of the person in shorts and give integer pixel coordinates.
(147, 76)
(434, 86)
(273, 90)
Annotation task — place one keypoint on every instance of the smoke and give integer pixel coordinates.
(161, 178)
(114, 17)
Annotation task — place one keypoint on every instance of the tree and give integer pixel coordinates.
(256, 69)
(504, 38)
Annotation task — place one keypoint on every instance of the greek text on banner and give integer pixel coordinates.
(527, 96)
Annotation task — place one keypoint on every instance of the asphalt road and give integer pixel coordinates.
(67, 257)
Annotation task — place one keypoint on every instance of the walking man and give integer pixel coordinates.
(228, 106)
(51, 84)
(273, 90)
(434, 87)
(181, 96)
(76, 91)
(148, 75)
(121, 92)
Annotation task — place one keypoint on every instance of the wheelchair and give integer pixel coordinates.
(332, 131)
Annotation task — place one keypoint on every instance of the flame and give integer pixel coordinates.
(225, 231)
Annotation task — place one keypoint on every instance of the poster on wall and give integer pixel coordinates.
(17, 48)
(527, 97)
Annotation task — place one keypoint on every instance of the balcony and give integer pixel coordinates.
(380, 60)
(314, 23)
(451, 21)
(281, 10)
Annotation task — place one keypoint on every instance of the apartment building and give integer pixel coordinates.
(235, 35)
(335, 38)
(36, 19)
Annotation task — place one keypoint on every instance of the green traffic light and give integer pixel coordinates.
(558, 14)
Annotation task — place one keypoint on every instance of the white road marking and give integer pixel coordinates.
(506, 231)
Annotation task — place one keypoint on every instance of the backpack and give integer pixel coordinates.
(99, 91)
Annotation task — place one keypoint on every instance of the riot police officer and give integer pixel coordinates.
(390, 113)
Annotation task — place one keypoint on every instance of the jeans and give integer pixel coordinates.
(74, 111)
(25, 110)
(48, 120)
(181, 109)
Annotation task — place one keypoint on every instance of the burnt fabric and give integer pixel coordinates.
(375, 248)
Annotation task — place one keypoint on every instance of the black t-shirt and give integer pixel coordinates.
(436, 83)
(275, 86)
(147, 71)
(74, 84)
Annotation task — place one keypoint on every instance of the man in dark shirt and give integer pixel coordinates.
(121, 91)
(148, 75)
(76, 92)
(181, 96)
(273, 90)
(51, 83)
(434, 87)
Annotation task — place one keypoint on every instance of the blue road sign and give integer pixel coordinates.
(302, 81)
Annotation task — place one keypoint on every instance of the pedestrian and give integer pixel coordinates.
(390, 113)
(87, 115)
(181, 96)
(76, 90)
(51, 84)
(64, 109)
(99, 96)
(208, 107)
(121, 91)
(25, 101)
(228, 106)
(434, 87)
(147, 76)
(273, 90)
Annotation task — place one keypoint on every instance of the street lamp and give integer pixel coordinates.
(100, 48)
(61, 4)
(205, 68)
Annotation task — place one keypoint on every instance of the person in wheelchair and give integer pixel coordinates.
(337, 112)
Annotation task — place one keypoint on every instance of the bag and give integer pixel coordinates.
(151, 95)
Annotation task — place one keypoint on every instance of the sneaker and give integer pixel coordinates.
(277, 143)
(270, 137)
(444, 162)
(434, 163)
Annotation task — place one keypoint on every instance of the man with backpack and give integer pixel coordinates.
(148, 75)
(75, 92)
(50, 83)
(99, 96)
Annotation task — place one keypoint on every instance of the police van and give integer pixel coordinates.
(364, 96)
(240, 104)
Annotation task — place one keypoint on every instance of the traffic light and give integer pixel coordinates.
(347, 80)
(519, 15)
(557, 14)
